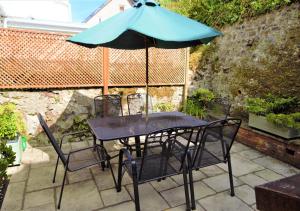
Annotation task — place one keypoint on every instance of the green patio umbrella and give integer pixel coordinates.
(143, 26)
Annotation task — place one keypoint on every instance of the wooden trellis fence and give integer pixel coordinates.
(41, 60)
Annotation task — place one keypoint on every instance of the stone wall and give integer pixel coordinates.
(67, 110)
(253, 58)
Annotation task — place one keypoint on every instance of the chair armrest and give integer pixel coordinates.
(82, 149)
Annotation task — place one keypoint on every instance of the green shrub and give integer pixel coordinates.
(218, 13)
(79, 124)
(271, 104)
(285, 120)
(164, 107)
(203, 96)
(192, 108)
(11, 122)
(278, 110)
(7, 157)
(196, 105)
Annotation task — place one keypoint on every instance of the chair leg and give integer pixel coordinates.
(191, 180)
(136, 195)
(62, 188)
(54, 176)
(186, 189)
(135, 187)
(230, 176)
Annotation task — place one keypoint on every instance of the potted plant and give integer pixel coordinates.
(276, 115)
(11, 128)
(7, 158)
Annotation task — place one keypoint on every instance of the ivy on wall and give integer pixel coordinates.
(218, 13)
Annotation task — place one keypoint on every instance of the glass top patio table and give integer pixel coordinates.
(112, 128)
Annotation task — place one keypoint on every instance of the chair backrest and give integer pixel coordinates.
(52, 139)
(219, 108)
(108, 105)
(215, 142)
(169, 156)
(137, 103)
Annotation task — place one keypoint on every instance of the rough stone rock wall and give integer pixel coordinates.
(63, 108)
(253, 58)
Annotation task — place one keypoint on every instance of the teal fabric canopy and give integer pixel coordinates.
(146, 22)
(143, 26)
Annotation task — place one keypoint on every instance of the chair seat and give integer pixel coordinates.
(85, 158)
(155, 167)
(207, 159)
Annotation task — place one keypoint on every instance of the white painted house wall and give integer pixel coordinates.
(111, 7)
(50, 10)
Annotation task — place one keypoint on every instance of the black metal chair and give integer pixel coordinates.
(214, 145)
(108, 105)
(137, 103)
(159, 162)
(218, 109)
(94, 155)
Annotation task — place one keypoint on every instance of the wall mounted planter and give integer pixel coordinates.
(261, 123)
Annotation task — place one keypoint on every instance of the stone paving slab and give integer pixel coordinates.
(14, 197)
(277, 166)
(211, 171)
(252, 180)
(41, 178)
(38, 198)
(80, 196)
(46, 207)
(112, 197)
(241, 166)
(223, 202)
(166, 184)
(149, 198)
(268, 175)
(176, 196)
(120, 207)
(221, 182)
(19, 173)
(31, 187)
(246, 194)
(250, 154)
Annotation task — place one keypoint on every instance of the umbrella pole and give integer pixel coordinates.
(147, 80)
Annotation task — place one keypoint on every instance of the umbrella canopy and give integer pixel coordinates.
(143, 26)
(146, 20)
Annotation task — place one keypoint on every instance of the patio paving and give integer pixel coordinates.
(31, 185)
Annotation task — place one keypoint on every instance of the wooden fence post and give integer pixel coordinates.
(105, 70)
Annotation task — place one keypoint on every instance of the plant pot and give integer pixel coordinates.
(17, 148)
(261, 123)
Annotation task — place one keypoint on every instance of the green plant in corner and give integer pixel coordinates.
(7, 157)
(11, 122)
(285, 120)
(196, 104)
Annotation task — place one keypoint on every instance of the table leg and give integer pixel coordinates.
(101, 153)
(138, 146)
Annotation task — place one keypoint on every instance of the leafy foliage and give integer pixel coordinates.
(218, 13)
(11, 122)
(7, 158)
(285, 120)
(79, 124)
(271, 104)
(277, 110)
(197, 104)
(164, 107)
